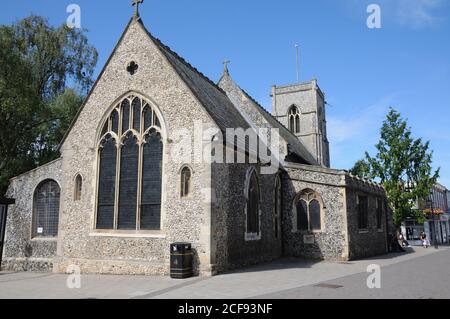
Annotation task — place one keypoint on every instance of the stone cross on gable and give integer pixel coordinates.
(225, 66)
(136, 4)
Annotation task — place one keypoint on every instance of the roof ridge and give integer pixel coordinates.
(94, 85)
(267, 112)
(183, 60)
(276, 122)
(212, 97)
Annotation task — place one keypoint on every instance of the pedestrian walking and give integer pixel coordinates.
(423, 238)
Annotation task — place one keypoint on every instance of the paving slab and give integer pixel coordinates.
(270, 280)
(285, 274)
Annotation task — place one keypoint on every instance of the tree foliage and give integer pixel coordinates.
(361, 169)
(403, 165)
(38, 64)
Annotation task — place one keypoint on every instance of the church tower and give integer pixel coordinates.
(301, 108)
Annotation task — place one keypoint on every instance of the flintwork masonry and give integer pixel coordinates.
(130, 181)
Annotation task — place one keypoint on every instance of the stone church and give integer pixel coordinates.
(131, 178)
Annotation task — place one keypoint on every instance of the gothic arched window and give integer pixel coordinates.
(294, 119)
(128, 182)
(252, 206)
(125, 108)
(185, 181)
(130, 168)
(46, 209)
(115, 121)
(151, 181)
(277, 207)
(309, 211)
(78, 187)
(106, 183)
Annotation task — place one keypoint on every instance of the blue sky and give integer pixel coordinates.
(405, 64)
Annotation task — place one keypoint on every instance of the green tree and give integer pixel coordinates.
(361, 169)
(38, 62)
(62, 110)
(403, 166)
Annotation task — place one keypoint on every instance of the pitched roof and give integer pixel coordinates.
(75, 119)
(295, 145)
(211, 96)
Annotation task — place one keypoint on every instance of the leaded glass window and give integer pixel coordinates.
(130, 168)
(277, 207)
(302, 215)
(107, 183)
(253, 198)
(309, 211)
(137, 114)
(125, 115)
(78, 187)
(185, 182)
(46, 209)
(128, 184)
(151, 181)
(115, 121)
(314, 215)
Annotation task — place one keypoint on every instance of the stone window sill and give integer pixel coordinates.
(42, 239)
(308, 232)
(156, 235)
(363, 231)
(252, 237)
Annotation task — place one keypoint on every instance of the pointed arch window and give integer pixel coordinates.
(78, 187)
(125, 108)
(185, 186)
(137, 114)
(253, 230)
(277, 207)
(114, 121)
(309, 210)
(130, 168)
(46, 209)
(151, 181)
(128, 182)
(106, 198)
(294, 119)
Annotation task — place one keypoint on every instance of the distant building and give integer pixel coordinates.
(448, 201)
(438, 204)
(439, 198)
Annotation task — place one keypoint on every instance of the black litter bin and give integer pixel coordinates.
(181, 258)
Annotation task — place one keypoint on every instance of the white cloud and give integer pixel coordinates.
(362, 126)
(418, 13)
(351, 136)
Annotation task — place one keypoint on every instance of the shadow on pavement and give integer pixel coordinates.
(393, 255)
(279, 264)
(298, 263)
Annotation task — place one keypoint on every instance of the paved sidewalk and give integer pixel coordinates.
(421, 278)
(267, 279)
